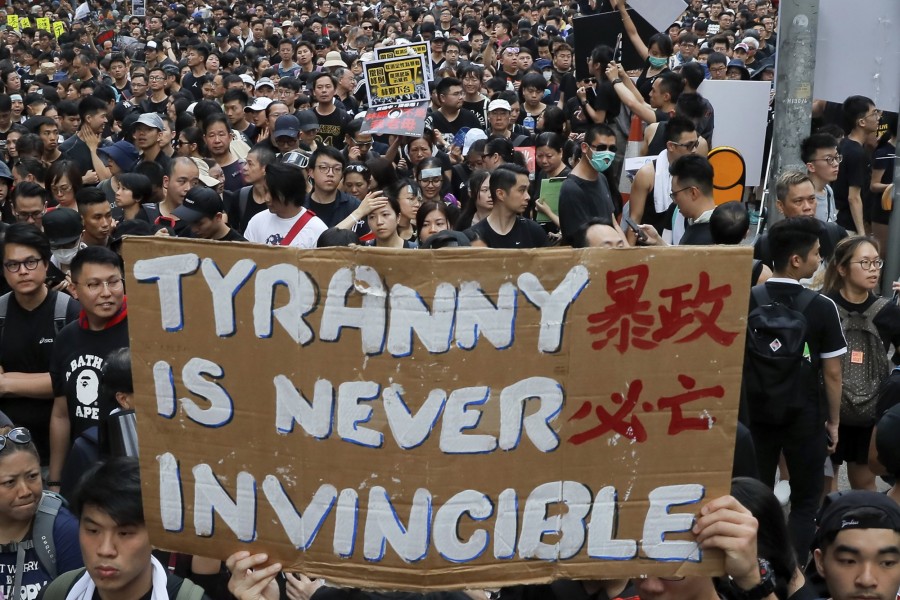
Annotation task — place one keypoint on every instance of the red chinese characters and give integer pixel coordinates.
(687, 312)
(623, 420)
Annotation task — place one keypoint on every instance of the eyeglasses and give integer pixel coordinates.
(358, 143)
(367, 27)
(867, 264)
(61, 189)
(18, 435)
(156, 78)
(325, 169)
(874, 113)
(675, 193)
(689, 146)
(511, 50)
(432, 181)
(362, 169)
(28, 216)
(604, 148)
(831, 160)
(113, 285)
(30, 263)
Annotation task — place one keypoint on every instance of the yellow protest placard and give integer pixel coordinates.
(444, 419)
(24, 22)
(43, 23)
(58, 28)
(12, 21)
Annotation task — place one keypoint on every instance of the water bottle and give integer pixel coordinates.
(528, 123)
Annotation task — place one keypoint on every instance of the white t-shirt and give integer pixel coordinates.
(267, 228)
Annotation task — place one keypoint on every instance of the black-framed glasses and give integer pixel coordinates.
(31, 263)
(831, 160)
(674, 194)
(604, 148)
(356, 142)
(867, 264)
(17, 435)
(689, 146)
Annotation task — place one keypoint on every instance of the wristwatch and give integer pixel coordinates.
(617, 80)
(765, 587)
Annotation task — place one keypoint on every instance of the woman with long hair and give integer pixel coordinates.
(384, 223)
(851, 281)
(431, 218)
(408, 196)
(480, 202)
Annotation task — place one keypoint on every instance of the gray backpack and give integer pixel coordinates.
(41, 540)
(864, 366)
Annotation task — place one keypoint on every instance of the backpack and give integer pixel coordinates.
(864, 366)
(59, 311)
(41, 539)
(777, 368)
(60, 587)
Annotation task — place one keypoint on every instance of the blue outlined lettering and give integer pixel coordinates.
(166, 272)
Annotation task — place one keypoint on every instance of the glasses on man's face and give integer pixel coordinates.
(30, 216)
(112, 285)
(157, 78)
(30, 263)
(604, 148)
(867, 264)
(325, 169)
(718, 70)
(831, 160)
(361, 144)
(875, 113)
(674, 194)
(689, 146)
(367, 27)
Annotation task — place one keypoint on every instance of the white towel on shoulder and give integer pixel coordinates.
(662, 185)
(84, 587)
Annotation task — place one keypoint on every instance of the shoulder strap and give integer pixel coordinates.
(875, 308)
(761, 295)
(804, 299)
(42, 531)
(243, 200)
(59, 311)
(305, 218)
(59, 587)
(189, 591)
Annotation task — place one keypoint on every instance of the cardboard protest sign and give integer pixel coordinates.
(436, 419)
(742, 113)
(138, 8)
(402, 119)
(868, 66)
(604, 28)
(418, 48)
(396, 80)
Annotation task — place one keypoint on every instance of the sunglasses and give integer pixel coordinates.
(604, 148)
(19, 435)
(361, 169)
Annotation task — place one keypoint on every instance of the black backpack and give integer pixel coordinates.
(777, 366)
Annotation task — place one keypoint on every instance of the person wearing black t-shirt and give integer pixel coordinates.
(326, 200)
(331, 117)
(204, 212)
(585, 193)
(799, 434)
(451, 116)
(32, 319)
(505, 227)
(861, 119)
(81, 349)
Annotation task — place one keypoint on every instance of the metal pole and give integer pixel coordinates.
(892, 256)
(798, 24)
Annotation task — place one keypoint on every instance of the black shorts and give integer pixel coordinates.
(853, 445)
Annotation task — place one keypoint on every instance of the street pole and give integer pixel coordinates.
(798, 24)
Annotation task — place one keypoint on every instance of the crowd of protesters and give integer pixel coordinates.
(245, 122)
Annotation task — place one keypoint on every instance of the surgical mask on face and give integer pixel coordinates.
(601, 160)
(658, 62)
(65, 256)
(548, 75)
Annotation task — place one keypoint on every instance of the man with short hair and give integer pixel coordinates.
(860, 122)
(158, 99)
(196, 60)
(797, 430)
(183, 174)
(204, 212)
(82, 147)
(118, 70)
(599, 233)
(451, 116)
(505, 227)
(286, 222)
(251, 199)
(326, 199)
(586, 193)
(692, 195)
(81, 349)
(115, 542)
(48, 130)
(96, 213)
(235, 102)
(331, 117)
(32, 318)
(30, 203)
(857, 549)
(820, 154)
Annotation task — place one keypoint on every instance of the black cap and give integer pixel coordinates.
(445, 239)
(62, 226)
(524, 24)
(323, 41)
(198, 203)
(856, 509)
(887, 440)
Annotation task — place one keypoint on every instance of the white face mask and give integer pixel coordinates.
(66, 255)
